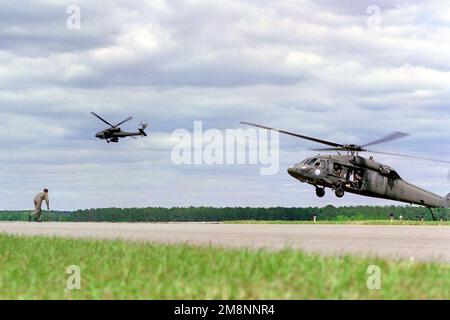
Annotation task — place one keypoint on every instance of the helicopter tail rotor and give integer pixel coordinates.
(142, 129)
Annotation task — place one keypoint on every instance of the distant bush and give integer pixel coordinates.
(208, 214)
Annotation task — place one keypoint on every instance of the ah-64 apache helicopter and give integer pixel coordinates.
(363, 176)
(114, 133)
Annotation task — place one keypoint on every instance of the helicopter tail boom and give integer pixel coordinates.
(447, 201)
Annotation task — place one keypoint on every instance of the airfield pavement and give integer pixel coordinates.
(410, 243)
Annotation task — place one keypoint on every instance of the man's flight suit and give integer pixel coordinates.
(37, 213)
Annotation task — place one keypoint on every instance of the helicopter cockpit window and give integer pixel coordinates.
(311, 162)
(337, 169)
(323, 164)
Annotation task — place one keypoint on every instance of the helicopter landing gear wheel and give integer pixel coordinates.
(320, 192)
(339, 192)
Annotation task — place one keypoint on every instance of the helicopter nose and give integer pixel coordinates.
(298, 172)
(293, 172)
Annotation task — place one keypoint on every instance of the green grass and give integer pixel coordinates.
(34, 268)
(366, 222)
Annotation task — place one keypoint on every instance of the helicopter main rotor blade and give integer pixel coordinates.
(391, 137)
(126, 120)
(96, 115)
(385, 153)
(329, 149)
(408, 156)
(332, 144)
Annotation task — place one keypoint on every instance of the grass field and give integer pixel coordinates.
(35, 268)
(367, 222)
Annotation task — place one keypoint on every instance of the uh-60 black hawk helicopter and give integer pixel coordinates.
(352, 173)
(114, 133)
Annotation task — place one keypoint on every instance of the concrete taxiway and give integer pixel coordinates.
(414, 243)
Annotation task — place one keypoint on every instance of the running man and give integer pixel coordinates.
(37, 213)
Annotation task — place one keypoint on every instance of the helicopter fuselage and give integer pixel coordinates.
(115, 134)
(362, 176)
(355, 174)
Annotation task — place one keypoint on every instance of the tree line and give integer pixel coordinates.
(210, 214)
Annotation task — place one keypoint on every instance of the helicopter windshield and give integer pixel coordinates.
(310, 162)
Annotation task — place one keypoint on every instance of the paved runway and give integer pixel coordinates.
(417, 243)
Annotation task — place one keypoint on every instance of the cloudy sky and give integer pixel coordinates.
(346, 71)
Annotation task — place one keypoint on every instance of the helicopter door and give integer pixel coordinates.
(371, 181)
(381, 184)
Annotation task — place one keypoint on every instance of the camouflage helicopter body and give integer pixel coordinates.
(358, 175)
(366, 177)
(114, 132)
